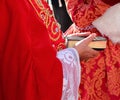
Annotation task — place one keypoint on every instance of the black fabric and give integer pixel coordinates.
(61, 15)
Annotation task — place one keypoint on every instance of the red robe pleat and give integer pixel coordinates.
(29, 69)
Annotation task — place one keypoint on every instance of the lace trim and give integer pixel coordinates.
(71, 73)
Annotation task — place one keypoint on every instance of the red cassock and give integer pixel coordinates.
(100, 75)
(29, 69)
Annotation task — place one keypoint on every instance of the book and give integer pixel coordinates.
(99, 43)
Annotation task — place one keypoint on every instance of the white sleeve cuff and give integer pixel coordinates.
(71, 73)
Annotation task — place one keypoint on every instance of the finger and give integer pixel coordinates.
(85, 33)
(94, 52)
(82, 34)
(88, 39)
(91, 54)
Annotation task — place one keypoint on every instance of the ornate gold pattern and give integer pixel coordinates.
(45, 14)
(55, 30)
(100, 75)
(60, 46)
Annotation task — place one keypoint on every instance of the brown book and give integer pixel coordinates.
(99, 43)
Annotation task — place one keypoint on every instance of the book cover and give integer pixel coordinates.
(99, 43)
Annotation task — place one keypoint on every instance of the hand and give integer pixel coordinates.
(71, 30)
(80, 34)
(84, 50)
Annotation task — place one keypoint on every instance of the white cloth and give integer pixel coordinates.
(109, 23)
(71, 73)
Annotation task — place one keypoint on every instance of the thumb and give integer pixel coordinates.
(88, 39)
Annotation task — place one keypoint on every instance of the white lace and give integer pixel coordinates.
(71, 73)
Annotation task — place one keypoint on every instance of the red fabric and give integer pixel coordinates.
(83, 14)
(111, 2)
(29, 69)
(100, 75)
(43, 11)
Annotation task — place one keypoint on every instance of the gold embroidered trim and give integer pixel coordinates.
(47, 17)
